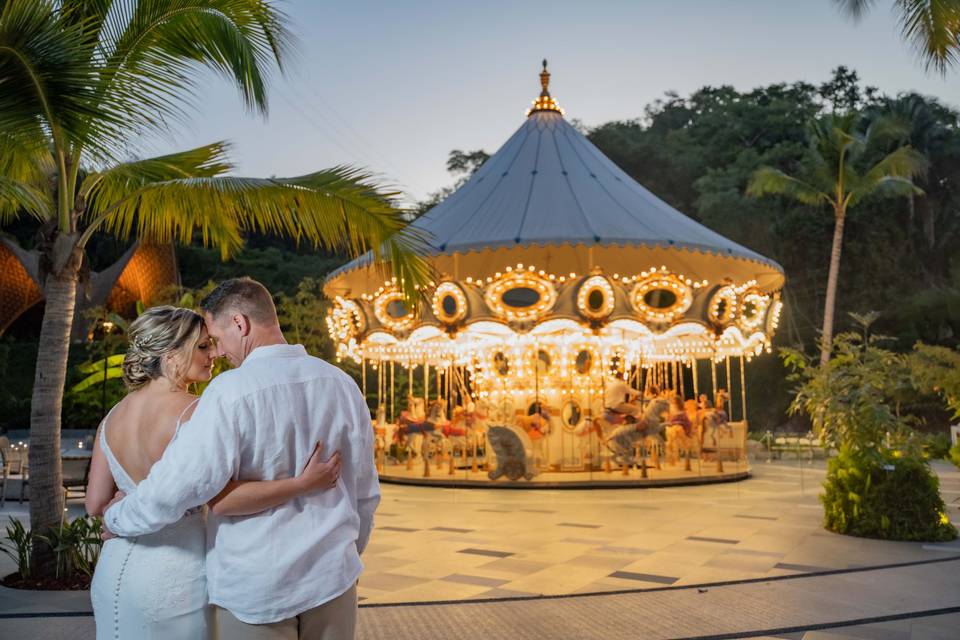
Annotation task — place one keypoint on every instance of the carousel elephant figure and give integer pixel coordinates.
(514, 452)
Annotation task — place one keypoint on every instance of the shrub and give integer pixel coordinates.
(19, 547)
(936, 446)
(76, 545)
(955, 454)
(880, 485)
(891, 497)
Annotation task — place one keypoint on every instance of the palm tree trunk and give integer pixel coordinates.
(830, 304)
(46, 491)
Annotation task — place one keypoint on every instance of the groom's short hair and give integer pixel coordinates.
(241, 295)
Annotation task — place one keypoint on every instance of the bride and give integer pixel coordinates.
(154, 586)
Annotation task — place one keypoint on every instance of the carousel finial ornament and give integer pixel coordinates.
(544, 102)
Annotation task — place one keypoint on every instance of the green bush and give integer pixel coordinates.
(936, 445)
(75, 543)
(887, 497)
(955, 454)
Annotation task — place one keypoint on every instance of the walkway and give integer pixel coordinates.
(639, 554)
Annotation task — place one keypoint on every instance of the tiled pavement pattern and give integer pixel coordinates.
(731, 611)
(454, 544)
(449, 544)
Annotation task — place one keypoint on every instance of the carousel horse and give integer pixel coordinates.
(683, 433)
(622, 440)
(428, 430)
(461, 431)
(715, 419)
(514, 452)
(536, 425)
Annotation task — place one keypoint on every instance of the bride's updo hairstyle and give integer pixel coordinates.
(158, 334)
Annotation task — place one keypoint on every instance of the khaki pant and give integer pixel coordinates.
(334, 620)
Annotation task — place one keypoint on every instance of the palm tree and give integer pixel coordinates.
(932, 27)
(840, 169)
(81, 81)
(926, 126)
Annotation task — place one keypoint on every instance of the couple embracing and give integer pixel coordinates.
(242, 513)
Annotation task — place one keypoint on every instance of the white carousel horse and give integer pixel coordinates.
(622, 439)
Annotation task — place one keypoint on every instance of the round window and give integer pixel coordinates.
(397, 309)
(723, 305)
(595, 300)
(449, 304)
(520, 297)
(721, 308)
(660, 298)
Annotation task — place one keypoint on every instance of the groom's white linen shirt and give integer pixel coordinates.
(261, 421)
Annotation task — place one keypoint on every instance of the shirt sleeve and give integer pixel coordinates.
(196, 465)
(367, 496)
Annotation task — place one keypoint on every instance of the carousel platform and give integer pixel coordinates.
(667, 476)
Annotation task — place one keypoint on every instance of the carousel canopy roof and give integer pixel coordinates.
(549, 186)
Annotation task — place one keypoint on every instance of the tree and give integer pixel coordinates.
(462, 164)
(927, 127)
(84, 80)
(841, 169)
(932, 27)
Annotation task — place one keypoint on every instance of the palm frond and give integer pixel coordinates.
(123, 180)
(24, 180)
(46, 81)
(338, 209)
(854, 8)
(891, 176)
(932, 27)
(18, 197)
(905, 162)
(770, 181)
(154, 49)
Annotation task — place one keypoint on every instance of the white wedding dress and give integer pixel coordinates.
(152, 587)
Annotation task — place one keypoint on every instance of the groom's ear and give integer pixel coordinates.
(242, 323)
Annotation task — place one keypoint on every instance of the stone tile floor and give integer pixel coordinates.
(435, 544)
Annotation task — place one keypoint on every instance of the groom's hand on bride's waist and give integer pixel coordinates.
(106, 534)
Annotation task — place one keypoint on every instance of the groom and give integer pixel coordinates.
(291, 571)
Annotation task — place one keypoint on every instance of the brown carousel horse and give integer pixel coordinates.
(683, 432)
(714, 418)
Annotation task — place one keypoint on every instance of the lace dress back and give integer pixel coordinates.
(152, 586)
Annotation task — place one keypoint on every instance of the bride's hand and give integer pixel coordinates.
(105, 533)
(320, 474)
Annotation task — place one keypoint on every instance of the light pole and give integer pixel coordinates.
(107, 327)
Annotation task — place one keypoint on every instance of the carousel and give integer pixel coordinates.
(580, 331)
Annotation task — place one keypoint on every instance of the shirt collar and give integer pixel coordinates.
(276, 351)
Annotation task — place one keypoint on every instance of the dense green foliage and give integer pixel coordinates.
(76, 545)
(880, 485)
(892, 498)
(698, 154)
(851, 400)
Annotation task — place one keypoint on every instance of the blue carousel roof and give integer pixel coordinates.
(549, 185)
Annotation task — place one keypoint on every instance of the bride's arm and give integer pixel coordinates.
(100, 484)
(246, 497)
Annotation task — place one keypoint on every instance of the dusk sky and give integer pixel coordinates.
(394, 86)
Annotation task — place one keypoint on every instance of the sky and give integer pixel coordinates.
(393, 86)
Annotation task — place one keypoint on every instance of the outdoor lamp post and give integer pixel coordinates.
(107, 327)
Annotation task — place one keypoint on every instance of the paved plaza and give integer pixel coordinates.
(737, 560)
